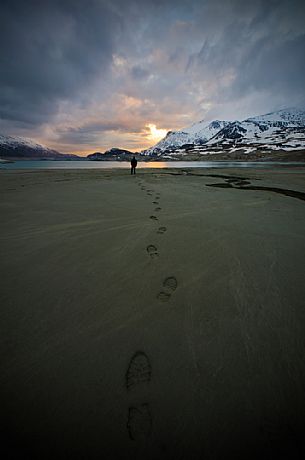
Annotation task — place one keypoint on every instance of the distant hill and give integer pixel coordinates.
(22, 149)
(113, 154)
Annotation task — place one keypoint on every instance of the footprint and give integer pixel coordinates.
(161, 230)
(139, 422)
(163, 296)
(139, 370)
(153, 217)
(155, 202)
(152, 251)
(170, 284)
(149, 194)
(158, 209)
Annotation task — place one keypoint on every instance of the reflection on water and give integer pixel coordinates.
(157, 164)
(87, 164)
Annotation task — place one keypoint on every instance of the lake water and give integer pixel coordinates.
(49, 164)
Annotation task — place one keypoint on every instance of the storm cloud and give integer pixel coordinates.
(50, 51)
(82, 75)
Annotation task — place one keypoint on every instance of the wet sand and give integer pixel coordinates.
(156, 316)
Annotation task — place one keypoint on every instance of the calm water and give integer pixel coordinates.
(153, 164)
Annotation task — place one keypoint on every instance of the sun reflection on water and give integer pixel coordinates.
(156, 164)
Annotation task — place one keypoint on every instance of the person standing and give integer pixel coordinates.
(133, 165)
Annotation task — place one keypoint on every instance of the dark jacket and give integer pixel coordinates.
(134, 163)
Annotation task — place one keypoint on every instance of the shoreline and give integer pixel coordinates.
(151, 166)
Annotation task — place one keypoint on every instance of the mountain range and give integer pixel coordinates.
(283, 130)
(253, 138)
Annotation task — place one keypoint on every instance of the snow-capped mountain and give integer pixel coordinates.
(198, 133)
(281, 130)
(21, 148)
(286, 117)
(284, 129)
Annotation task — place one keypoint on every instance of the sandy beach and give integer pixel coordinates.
(155, 316)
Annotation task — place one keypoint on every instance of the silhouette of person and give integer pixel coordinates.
(133, 165)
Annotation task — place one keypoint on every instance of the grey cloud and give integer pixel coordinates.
(49, 52)
(138, 73)
(91, 132)
(261, 44)
(280, 68)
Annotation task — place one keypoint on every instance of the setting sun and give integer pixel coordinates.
(155, 133)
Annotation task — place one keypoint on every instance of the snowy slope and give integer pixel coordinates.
(281, 130)
(14, 142)
(284, 129)
(18, 147)
(286, 117)
(197, 134)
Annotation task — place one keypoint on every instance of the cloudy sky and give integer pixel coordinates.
(87, 75)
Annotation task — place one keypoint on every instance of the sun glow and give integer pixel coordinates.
(155, 133)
